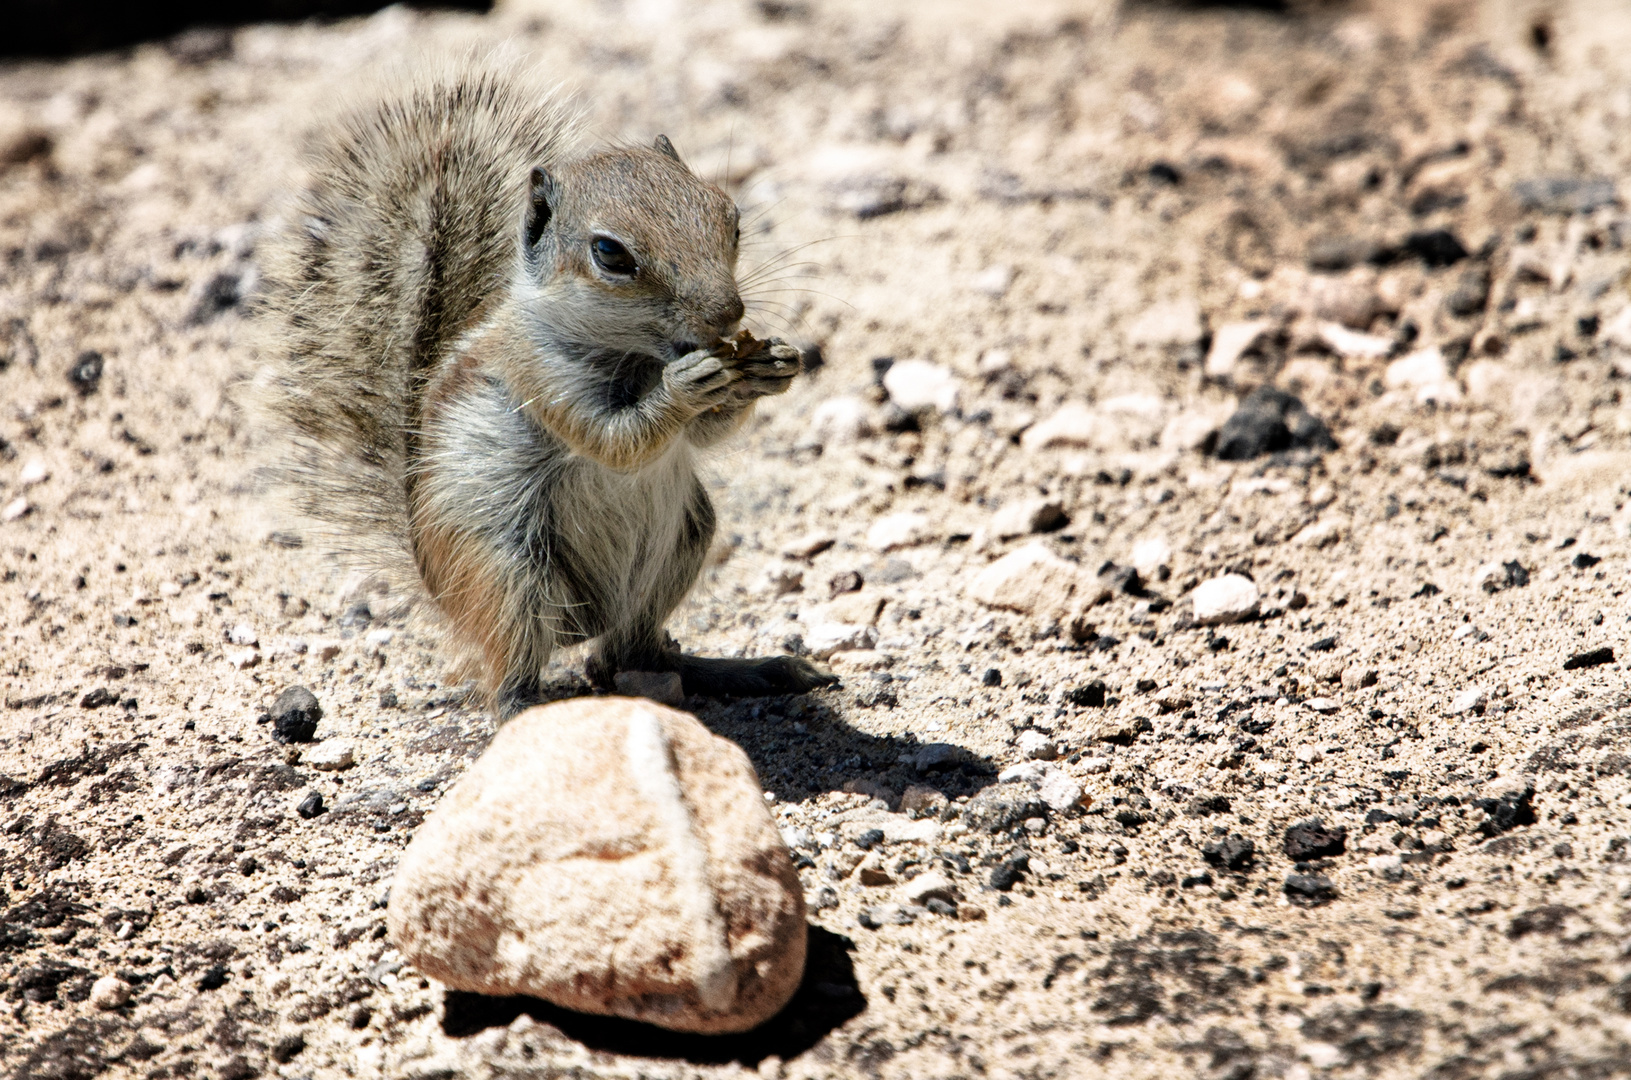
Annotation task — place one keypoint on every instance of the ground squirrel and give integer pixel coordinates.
(495, 355)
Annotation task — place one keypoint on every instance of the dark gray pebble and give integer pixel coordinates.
(294, 715)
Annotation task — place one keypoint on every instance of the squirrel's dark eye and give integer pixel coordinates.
(613, 257)
(738, 239)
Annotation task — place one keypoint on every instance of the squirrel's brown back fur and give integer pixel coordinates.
(408, 223)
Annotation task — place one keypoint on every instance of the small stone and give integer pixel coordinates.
(242, 659)
(663, 687)
(1470, 700)
(1230, 342)
(693, 919)
(1150, 556)
(1233, 852)
(906, 529)
(1089, 695)
(1589, 659)
(1001, 807)
(1034, 581)
(288, 1048)
(1074, 424)
(1311, 839)
(1228, 598)
(1323, 705)
(330, 755)
(14, 509)
(847, 581)
(1059, 790)
(809, 545)
(1309, 754)
(1352, 343)
(970, 913)
(213, 978)
(779, 579)
(1435, 247)
(1025, 516)
(824, 639)
(1037, 746)
(311, 805)
(1006, 876)
(1357, 677)
(1321, 534)
(295, 714)
(872, 873)
(920, 799)
(1121, 730)
(378, 638)
(85, 374)
(325, 650)
(931, 757)
(1507, 811)
(33, 473)
(932, 885)
(1270, 421)
(1309, 888)
(919, 386)
(243, 634)
(109, 992)
(993, 281)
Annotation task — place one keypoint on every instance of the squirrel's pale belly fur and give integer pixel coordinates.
(493, 364)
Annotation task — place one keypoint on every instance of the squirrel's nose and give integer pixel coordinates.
(723, 315)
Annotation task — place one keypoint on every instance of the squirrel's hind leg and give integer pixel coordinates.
(642, 645)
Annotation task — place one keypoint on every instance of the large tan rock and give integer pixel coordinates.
(1033, 580)
(612, 856)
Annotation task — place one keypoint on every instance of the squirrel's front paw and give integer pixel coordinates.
(768, 371)
(700, 380)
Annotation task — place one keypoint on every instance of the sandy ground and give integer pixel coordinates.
(1063, 206)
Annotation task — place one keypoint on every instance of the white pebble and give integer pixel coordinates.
(1470, 700)
(1037, 746)
(330, 755)
(109, 992)
(1229, 598)
(33, 473)
(1321, 705)
(918, 386)
(14, 509)
(904, 529)
(243, 634)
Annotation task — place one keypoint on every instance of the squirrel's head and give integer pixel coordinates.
(627, 249)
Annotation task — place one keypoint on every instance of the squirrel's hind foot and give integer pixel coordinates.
(762, 676)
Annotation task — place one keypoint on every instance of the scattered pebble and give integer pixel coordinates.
(809, 545)
(243, 634)
(242, 659)
(1322, 705)
(824, 639)
(1589, 659)
(932, 885)
(838, 421)
(1037, 746)
(14, 509)
(1270, 421)
(330, 755)
(1233, 852)
(1470, 700)
(312, 805)
(1312, 839)
(919, 386)
(905, 529)
(1228, 598)
(109, 992)
(1074, 424)
(1357, 677)
(33, 473)
(1001, 807)
(1023, 517)
(295, 714)
(1034, 581)
(1230, 342)
(1309, 888)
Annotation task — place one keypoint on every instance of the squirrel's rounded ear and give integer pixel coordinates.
(663, 146)
(541, 204)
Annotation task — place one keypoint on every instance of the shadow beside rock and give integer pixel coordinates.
(828, 996)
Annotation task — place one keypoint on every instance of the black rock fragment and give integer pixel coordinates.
(1000, 807)
(1342, 252)
(1435, 247)
(1005, 877)
(1271, 421)
(1233, 852)
(1312, 839)
(1507, 811)
(97, 698)
(992, 677)
(294, 715)
(86, 372)
(311, 805)
(869, 839)
(1309, 889)
(1588, 659)
(213, 978)
(1090, 696)
(1583, 561)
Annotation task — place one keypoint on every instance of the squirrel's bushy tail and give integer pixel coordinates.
(409, 221)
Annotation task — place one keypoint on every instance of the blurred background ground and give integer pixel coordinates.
(1042, 252)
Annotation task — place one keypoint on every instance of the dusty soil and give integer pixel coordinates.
(1060, 204)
